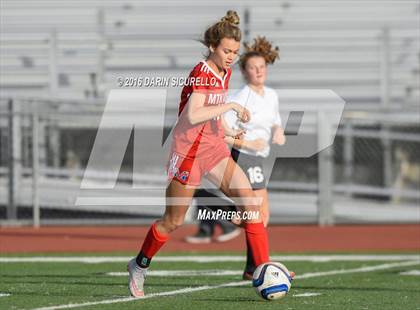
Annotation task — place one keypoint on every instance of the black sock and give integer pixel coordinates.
(142, 260)
(250, 266)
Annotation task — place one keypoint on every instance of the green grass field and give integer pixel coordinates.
(357, 284)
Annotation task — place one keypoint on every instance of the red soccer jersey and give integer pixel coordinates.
(203, 139)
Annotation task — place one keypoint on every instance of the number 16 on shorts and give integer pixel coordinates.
(255, 175)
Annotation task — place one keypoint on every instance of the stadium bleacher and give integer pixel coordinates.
(323, 45)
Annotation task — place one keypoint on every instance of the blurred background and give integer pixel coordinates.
(60, 59)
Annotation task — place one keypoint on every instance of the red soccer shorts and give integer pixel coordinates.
(190, 170)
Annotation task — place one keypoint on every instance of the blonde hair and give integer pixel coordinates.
(261, 48)
(227, 27)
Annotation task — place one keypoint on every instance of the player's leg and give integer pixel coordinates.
(184, 175)
(234, 183)
(264, 210)
(178, 197)
(252, 166)
(264, 207)
(205, 226)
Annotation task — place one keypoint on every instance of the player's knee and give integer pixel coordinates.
(253, 203)
(248, 199)
(251, 208)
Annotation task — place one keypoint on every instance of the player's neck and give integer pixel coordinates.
(219, 70)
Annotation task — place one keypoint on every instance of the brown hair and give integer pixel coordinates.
(227, 27)
(261, 48)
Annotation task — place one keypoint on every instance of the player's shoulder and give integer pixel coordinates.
(200, 69)
(244, 90)
(239, 95)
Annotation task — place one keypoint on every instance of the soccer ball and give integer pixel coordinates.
(271, 280)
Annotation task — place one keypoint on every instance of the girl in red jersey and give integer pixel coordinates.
(198, 149)
(264, 128)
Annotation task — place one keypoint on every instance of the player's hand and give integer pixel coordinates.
(278, 136)
(229, 140)
(258, 144)
(243, 114)
(239, 134)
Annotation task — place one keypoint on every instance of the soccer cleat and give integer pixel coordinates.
(247, 276)
(136, 276)
(229, 236)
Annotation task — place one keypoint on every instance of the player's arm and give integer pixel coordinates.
(198, 113)
(278, 135)
(231, 131)
(252, 145)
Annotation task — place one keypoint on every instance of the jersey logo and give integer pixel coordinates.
(183, 176)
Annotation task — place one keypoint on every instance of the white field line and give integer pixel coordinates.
(361, 269)
(307, 294)
(411, 273)
(230, 284)
(182, 273)
(128, 299)
(205, 259)
(4, 294)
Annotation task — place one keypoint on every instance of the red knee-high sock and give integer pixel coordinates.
(151, 245)
(256, 236)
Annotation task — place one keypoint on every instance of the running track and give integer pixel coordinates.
(283, 239)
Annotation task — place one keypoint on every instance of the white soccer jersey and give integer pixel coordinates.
(264, 115)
